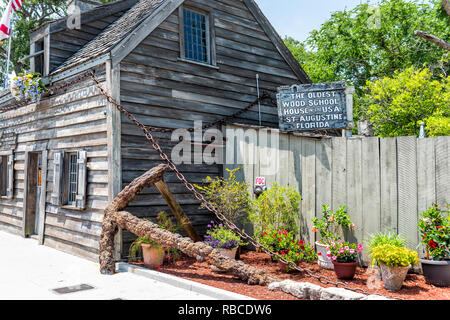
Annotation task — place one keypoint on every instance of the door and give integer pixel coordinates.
(33, 183)
(38, 194)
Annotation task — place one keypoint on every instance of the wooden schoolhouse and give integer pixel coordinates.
(169, 62)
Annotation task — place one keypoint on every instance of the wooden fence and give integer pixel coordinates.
(386, 183)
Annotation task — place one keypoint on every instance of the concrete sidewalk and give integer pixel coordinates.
(29, 271)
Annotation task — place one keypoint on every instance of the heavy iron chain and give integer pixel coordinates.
(247, 238)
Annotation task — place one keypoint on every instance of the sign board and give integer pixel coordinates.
(319, 106)
(260, 181)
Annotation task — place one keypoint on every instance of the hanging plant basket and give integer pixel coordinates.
(28, 87)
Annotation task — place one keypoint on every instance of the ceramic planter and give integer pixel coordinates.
(153, 256)
(437, 273)
(230, 253)
(393, 277)
(324, 262)
(345, 271)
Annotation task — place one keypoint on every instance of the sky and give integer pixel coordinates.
(297, 18)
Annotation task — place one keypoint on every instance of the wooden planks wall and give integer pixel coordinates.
(68, 121)
(165, 92)
(386, 183)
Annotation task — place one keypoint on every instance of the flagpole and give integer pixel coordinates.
(6, 79)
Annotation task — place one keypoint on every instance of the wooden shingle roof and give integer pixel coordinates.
(113, 34)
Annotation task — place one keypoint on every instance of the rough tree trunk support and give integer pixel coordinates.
(115, 217)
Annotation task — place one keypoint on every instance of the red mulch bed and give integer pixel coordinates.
(414, 287)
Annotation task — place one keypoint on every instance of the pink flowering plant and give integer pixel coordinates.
(344, 252)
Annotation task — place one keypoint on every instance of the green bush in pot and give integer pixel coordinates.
(434, 230)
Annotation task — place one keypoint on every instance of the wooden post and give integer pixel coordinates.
(178, 212)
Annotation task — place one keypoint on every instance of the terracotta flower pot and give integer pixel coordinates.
(324, 262)
(153, 256)
(436, 273)
(345, 271)
(393, 277)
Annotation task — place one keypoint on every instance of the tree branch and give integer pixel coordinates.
(433, 39)
(446, 5)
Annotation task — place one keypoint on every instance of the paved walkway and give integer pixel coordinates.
(29, 271)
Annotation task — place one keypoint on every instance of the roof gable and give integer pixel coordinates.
(123, 36)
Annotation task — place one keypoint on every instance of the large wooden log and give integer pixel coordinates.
(114, 217)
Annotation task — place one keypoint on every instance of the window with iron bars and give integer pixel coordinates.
(72, 180)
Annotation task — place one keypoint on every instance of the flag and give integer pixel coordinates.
(16, 4)
(5, 23)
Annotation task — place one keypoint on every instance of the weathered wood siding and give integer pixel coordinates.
(65, 43)
(165, 92)
(386, 183)
(73, 120)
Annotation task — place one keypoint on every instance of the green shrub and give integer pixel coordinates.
(277, 208)
(228, 195)
(434, 229)
(380, 238)
(330, 222)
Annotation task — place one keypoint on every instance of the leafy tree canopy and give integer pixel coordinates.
(397, 105)
(32, 14)
(367, 42)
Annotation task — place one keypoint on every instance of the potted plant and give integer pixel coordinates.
(394, 262)
(434, 229)
(328, 226)
(28, 86)
(223, 239)
(153, 254)
(344, 256)
(297, 252)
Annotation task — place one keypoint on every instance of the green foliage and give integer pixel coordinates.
(228, 195)
(330, 223)
(351, 46)
(135, 251)
(434, 229)
(30, 16)
(290, 249)
(394, 256)
(165, 222)
(397, 105)
(277, 208)
(220, 237)
(380, 239)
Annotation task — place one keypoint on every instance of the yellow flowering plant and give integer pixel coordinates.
(394, 256)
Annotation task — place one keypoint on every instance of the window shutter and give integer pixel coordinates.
(82, 179)
(57, 175)
(10, 190)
